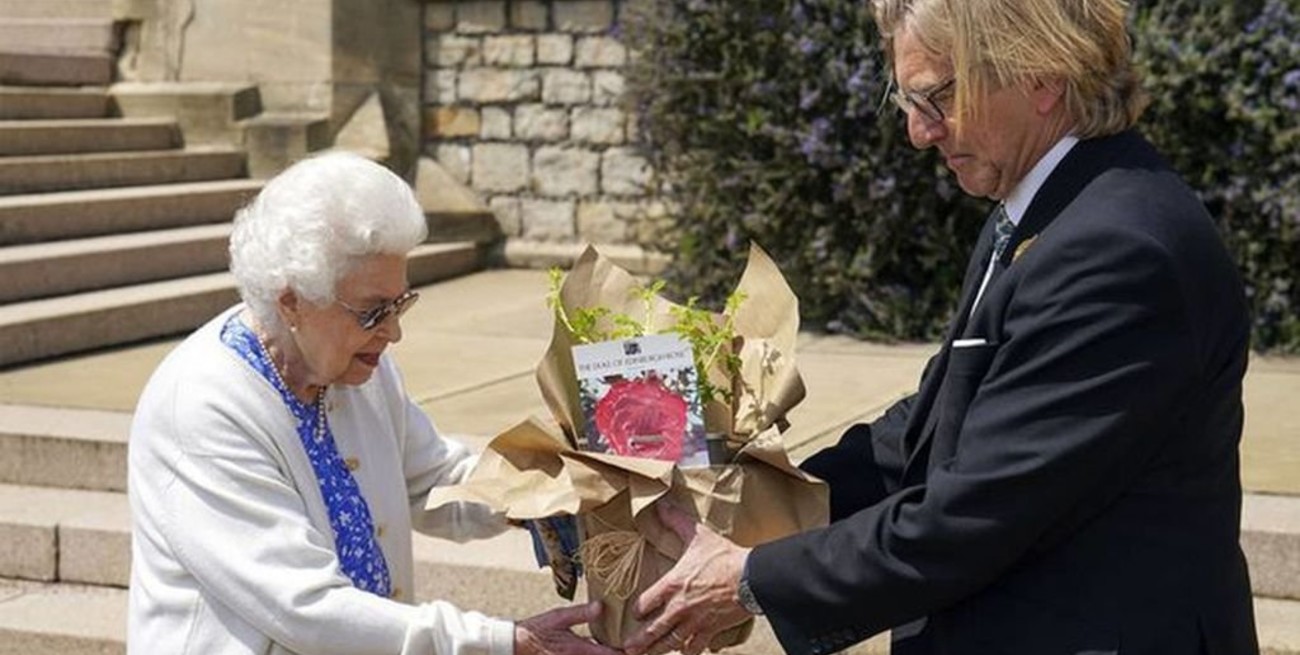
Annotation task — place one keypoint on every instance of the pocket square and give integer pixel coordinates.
(969, 343)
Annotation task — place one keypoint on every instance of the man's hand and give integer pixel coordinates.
(697, 598)
(549, 633)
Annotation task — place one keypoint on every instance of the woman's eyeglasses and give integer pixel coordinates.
(929, 104)
(372, 318)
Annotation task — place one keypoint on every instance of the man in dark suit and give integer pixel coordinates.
(1066, 479)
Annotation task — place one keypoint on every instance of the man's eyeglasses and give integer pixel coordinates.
(371, 318)
(929, 104)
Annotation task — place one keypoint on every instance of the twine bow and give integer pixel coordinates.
(614, 559)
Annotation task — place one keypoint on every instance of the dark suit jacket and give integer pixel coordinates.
(1073, 485)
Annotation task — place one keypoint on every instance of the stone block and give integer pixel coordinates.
(607, 88)
(495, 124)
(510, 51)
(453, 50)
(496, 85)
(547, 220)
(528, 15)
(451, 122)
(565, 87)
(539, 123)
(599, 52)
(555, 49)
(439, 16)
(508, 212)
(584, 16)
(633, 128)
(561, 172)
(440, 87)
(30, 552)
(95, 548)
(455, 159)
(598, 125)
(624, 172)
(599, 223)
(480, 16)
(499, 167)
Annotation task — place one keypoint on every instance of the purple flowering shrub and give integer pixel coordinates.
(766, 120)
(1225, 85)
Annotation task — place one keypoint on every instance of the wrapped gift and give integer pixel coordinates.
(536, 470)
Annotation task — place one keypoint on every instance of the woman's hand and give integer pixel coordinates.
(549, 633)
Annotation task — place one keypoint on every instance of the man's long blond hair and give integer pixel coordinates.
(993, 43)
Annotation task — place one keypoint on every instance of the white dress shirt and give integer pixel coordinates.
(1017, 202)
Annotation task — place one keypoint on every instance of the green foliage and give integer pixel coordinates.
(711, 340)
(1225, 85)
(765, 121)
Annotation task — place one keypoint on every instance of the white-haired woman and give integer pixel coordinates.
(277, 467)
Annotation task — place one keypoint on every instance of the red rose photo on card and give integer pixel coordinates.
(640, 398)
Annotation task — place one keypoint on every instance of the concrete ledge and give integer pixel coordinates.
(523, 253)
(209, 113)
(275, 141)
(439, 261)
(66, 448)
(56, 8)
(81, 135)
(74, 214)
(44, 328)
(36, 174)
(1270, 536)
(55, 68)
(78, 34)
(66, 619)
(62, 267)
(41, 102)
(37, 329)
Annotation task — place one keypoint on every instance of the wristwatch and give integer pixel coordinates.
(746, 595)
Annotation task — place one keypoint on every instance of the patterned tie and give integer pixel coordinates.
(1002, 229)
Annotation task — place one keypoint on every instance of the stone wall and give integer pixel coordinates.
(523, 103)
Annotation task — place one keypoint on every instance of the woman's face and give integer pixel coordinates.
(335, 348)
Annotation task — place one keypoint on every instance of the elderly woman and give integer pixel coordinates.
(276, 465)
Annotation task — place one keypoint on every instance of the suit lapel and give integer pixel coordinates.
(1084, 162)
(921, 420)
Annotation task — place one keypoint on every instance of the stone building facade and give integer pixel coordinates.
(523, 103)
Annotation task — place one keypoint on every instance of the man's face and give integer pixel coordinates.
(997, 147)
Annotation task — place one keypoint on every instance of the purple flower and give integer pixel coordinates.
(807, 46)
(808, 98)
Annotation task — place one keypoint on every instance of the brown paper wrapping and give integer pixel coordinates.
(532, 470)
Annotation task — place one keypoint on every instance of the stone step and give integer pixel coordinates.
(56, 68)
(83, 135)
(52, 102)
(74, 449)
(58, 619)
(43, 173)
(68, 34)
(77, 537)
(42, 270)
(61, 447)
(44, 217)
(39, 329)
(56, 8)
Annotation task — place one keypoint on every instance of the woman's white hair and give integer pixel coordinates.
(311, 224)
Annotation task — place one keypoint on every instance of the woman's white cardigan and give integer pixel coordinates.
(232, 550)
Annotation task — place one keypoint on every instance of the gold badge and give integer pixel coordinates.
(1024, 245)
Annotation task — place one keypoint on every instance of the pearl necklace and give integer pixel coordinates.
(319, 432)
